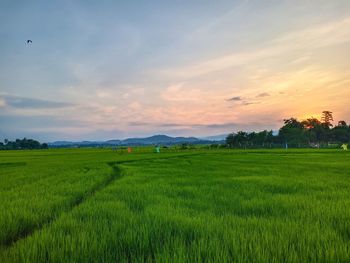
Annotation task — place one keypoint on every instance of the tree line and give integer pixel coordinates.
(24, 143)
(311, 132)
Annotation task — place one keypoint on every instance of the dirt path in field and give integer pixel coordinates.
(73, 204)
(116, 173)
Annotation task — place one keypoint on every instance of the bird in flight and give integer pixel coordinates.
(29, 41)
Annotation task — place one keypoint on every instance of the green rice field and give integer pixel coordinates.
(199, 205)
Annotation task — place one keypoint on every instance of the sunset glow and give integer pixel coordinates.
(119, 70)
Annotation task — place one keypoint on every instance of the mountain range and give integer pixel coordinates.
(155, 139)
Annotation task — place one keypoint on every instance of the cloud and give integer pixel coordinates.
(319, 35)
(30, 103)
(182, 92)
(309, 39)
(263, 94)
(238, 98)
(246, 103)
(173, 125)
(39, 121)
(196, 125)
(153, 124)
(209, 128)
(2, 102)
(50, 128)
(188, 125)
(139, 123)
(220, 125)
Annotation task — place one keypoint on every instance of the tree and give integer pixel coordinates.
(23, 144)
(269, 138)
(230, 140)
(44, 146)
(342, 124)
(262, 138)
(292, 123)
(292, 132)
(311, 123)
(314, 130)
(326, 118)
(253, 139)
(241, 138)
(341, 132)
(237, 140)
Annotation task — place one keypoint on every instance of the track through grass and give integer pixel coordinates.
(78, 200)
(72, 204)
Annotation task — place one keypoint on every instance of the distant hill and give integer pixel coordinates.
(161, 139)
(155, 139)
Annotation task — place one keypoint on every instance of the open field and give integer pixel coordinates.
(99, 205)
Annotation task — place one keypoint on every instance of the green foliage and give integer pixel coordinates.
(19, 144)
(98, 205)
(186, 146)
(294, 133)
(255, 139)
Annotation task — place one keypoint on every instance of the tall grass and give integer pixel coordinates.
(212, 206)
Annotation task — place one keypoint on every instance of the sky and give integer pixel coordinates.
(99, 70)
